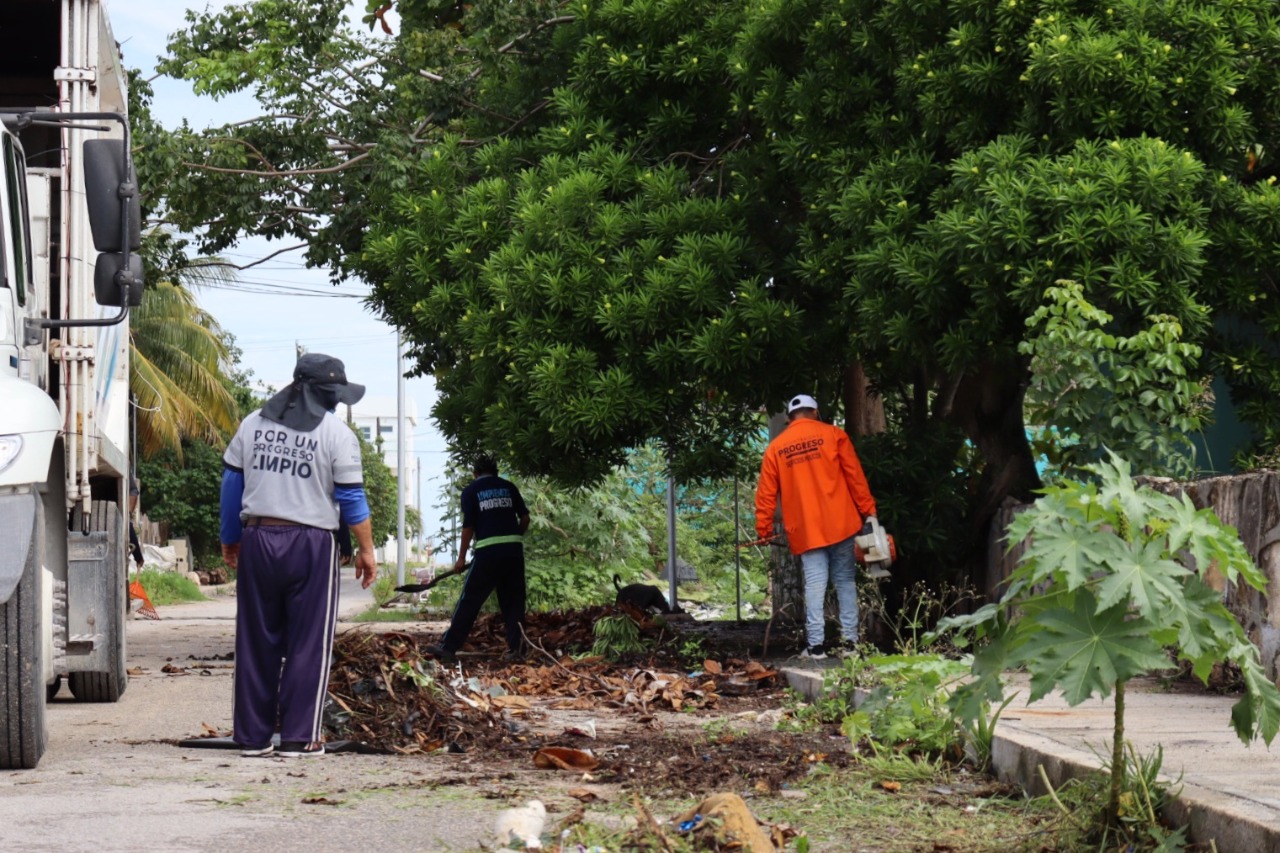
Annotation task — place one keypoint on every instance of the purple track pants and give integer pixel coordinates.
(286, 610)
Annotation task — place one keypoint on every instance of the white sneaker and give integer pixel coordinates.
(814, 653)
(261, 752)
(297, 749)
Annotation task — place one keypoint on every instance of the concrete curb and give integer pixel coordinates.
(1240, 816)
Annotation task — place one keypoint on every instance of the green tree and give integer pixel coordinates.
(380, 491)
(178, 359)
(178, 355)
(1099, 389)
(606, 222)
(183, 490)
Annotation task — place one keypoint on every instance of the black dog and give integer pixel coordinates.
(642, 596)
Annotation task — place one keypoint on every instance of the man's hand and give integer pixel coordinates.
(866, 525)
(460, 564)
(231, 555)
(366, 568)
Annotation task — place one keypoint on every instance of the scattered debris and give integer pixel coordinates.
(723, 822)
(522, 825)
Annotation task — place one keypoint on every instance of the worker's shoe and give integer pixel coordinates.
(257, 752)
(299, 749)
(814, 653)
(515, 655)
(441, 654)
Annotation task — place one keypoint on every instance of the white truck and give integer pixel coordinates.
(68, 240)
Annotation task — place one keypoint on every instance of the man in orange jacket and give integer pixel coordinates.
(825, 503)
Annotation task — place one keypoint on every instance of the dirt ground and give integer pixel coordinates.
(115, 777)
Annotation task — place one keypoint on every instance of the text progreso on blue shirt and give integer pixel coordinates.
(494, 499)
(271, 452)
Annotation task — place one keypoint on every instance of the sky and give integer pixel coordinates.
(280, 305)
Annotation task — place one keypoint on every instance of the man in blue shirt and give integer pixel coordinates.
(290, 474)
(494, 519)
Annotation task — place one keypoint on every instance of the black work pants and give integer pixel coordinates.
(494, 568)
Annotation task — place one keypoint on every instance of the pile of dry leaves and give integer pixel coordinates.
(389, 694)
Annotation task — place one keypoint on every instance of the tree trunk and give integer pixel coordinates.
(988, 408)
(864, 411)
(1112, 815)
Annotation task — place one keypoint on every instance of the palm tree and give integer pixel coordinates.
(178, 363)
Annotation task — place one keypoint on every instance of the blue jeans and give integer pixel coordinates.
(834, 562)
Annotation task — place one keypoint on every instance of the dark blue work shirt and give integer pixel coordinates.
(492, 508)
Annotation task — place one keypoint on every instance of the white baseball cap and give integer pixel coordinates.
(801, 401)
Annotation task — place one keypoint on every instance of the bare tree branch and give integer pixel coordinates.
(281, 174)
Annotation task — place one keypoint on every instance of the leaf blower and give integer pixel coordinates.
(875, 549)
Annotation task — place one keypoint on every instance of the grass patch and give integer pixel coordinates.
(853, 808)
(169, 587)
(374, 613)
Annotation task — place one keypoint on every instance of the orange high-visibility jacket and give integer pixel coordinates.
(825, 495)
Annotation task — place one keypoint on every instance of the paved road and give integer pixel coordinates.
(113, 778)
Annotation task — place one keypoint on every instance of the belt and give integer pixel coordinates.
(268, 521)
(498, 540)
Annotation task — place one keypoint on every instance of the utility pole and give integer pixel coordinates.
(400, 543)
(671, 530)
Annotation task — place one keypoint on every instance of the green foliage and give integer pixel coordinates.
(907, 711)
(185, 492)
(379, 490)
(605, 223)
(169, 587)
(911, 626)
(579, 537)
(617, 637)
(1142, 802)
(1105, 390)
(1114, 576)
(383, 588)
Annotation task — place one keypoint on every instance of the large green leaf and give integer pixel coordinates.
(1257, 714)
(1084, 652)
(1074, 550)
(1141, 576)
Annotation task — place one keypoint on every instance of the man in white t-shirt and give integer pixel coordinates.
(291, 473)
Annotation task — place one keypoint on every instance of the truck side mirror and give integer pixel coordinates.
(112, 195)
(109, 274)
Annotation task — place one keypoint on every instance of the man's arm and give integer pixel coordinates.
(468, 534)
(854, 478)
(353, 511)
(766, 496)
(230, 501)
(366, 564)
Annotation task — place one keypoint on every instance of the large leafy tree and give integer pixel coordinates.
(601, 222)
(178, 358)
(181, 364)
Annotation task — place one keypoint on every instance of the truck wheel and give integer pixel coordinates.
(22, 691)
(107, 685)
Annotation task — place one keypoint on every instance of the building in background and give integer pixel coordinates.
(375, 418)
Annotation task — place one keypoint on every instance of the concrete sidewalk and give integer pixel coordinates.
(1230, 792)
